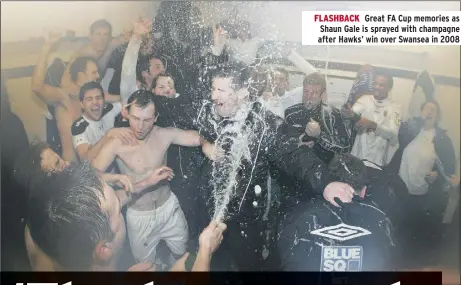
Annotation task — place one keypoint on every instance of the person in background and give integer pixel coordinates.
(14, 141)
(112, 78)
(100, 48)
(378, 121)
(66, 105)
(242, 46)
(280, 83)
(163, 85)
(426, 162)
(96, 125)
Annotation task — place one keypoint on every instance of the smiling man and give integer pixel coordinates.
(95, 126)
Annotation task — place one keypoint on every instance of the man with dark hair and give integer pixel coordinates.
(251, 144)
(100, 47)
(95, 126)
(33, 165)
(62, 102)
(155, 213)
(76, 220)
(378, 122)
(83, 66)
(163, 85)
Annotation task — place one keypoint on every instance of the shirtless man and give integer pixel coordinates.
(155, 214)
(100, 47)
(67, 105)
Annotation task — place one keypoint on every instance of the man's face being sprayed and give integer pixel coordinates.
(312, 96)
(226, 100)
(142, 120)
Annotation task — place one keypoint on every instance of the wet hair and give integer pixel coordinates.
(79, 65)
(90, 86)
(390, 80)
(437, 106)
(66, 219)
(143, 64)
(315, 79)
(101, 24)
(239, 73)
(141, 98)
(28, 169)
(161, 74)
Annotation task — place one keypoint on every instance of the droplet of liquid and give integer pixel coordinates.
(257, 190)
(265, 253)
(255, 204)
(243, 233)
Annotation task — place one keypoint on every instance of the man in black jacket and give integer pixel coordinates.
(255, 143)
(358, 236)
(320, 127)
(336, 133)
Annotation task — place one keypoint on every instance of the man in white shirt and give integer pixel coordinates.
(377, 129)
(95, 126)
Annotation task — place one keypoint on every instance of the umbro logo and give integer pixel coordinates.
(341, 232)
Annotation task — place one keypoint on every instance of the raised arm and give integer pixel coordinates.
(128, 83)
(49, 94)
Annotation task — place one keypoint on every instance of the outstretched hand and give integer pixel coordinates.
(160, 174)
